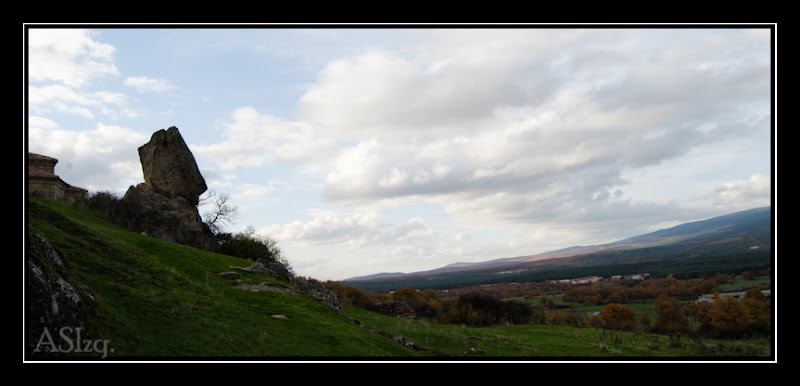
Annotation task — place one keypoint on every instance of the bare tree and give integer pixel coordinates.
(222, 210)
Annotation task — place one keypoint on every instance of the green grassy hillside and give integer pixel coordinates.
(156, 299)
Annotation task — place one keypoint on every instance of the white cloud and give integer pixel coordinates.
(449, 79)
(57, 98)
(252, 190)
(743, 194)
(355, 230)
(361, 227)
(379, 91)
(396, 177)
(253, 139)
(68, 56)
(41, 122)
(145, 84)
(515, 138)
(62, 63)
(103, 158)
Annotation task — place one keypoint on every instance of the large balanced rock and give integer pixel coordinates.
(169, 167)
(165, 205)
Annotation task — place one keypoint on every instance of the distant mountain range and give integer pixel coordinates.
(745, 230)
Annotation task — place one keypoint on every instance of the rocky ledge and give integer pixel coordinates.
(304, 287)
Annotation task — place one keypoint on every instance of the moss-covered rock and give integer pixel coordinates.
(57, 307)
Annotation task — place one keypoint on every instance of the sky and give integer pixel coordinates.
(367, 150)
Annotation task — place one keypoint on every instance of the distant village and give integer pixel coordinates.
(703, 298)
(593, 279)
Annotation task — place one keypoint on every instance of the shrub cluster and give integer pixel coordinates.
(355, 297)
(669, 317)
(426, 304)
(247, 245)
(732, 318)
(104, 203)
(560, 318)
(648, 289)
(618, 317)
(474, 309)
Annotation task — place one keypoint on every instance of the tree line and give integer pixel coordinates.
(725, 317)
(474, 309)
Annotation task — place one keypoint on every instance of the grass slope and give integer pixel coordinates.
(158, 299)
(541, 342)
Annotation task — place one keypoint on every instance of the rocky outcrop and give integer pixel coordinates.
(165, 205)
(316, 290)
(306, 287)
(273, 268)
(266, 286)
(57, 307)
(174, 219)
(396, 308)
(169, 166)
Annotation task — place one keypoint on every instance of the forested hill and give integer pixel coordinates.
(748, 223)
(725, 243)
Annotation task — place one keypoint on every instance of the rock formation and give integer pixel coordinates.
(169, 167)
(174, 220)
(317, 290)
(165, 205)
